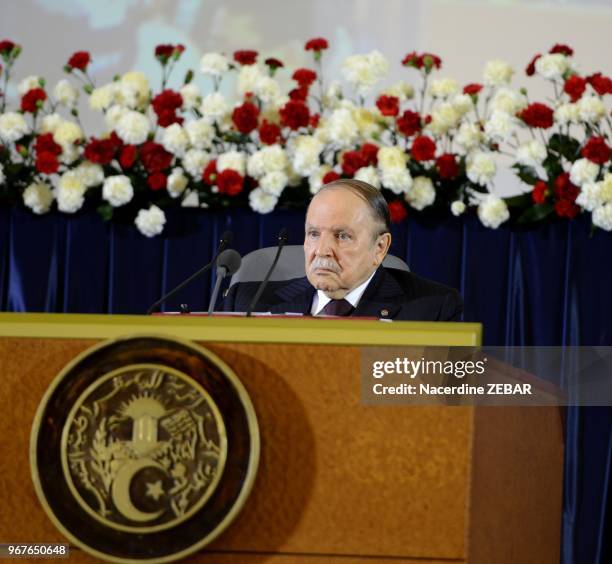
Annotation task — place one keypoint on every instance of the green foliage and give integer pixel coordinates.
(535, 213)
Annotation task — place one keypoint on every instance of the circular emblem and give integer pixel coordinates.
(144, 448)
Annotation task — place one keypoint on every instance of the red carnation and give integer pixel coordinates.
(314, 120)
(574, 87)
(32, 99)
(116, 141)
(127, 157)
(600, 83)
(157, 181)
(46, 144)
(537, 115)
(472, 89)
(46, 163)
(331, 176)
(397, 211)
(245, 57)
(352, 161)
(165, 105)
(423, 148)
(100, 151)
(274, 63)
(424, 60)
(370, 154)
(269, 133)
(304, 77)
(299, 94)
(447, 166)
(294, 115)
(230, 182)
(530, 69)
(245, 117)
(564, 189)
(540, 192)
(411, 60)
(164, 51)
(6, 46)
(562, 49)
(565, 208)
(316, 44)
(597, 150)
(409, 123)
(209, 175)
(79, 60)
(154, 157)
(388, 105)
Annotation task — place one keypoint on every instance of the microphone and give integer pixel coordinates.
(283, 235)
(224, 242)
(228, 262)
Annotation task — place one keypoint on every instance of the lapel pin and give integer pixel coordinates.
(384, 312)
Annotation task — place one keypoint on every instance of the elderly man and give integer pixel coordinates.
(346, 239)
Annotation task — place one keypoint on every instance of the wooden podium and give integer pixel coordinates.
(337, 480)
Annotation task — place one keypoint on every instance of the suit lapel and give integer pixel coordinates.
(295, 297)
(382, 298)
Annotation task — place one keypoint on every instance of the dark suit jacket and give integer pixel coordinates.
(391, 294)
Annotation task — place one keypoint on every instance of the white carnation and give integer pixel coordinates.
(315, 180)
(272, 158)
(368, 174)
(500, 126)
(463, 103)
(175, 140)
(369, 124)
(214, 64)
(469, 136)
(457, 208)
(12, 126)
(602, 217)
(50, 122)
(65, 93)
(133, 128)
(117, 190)
(497, 73)
(552, 66)
(364, 71)
(90, 174)
(341, 127)
(67, 133)
(590, 196)
(493, 211)
(248, 78)
(70, 153)
(306, 150)
(150, 222)
(421, 194)
(443, 87)
(267, 89)
(191, 95)
(481, 167)
(591, 109)
(444, 118)
(583, 171)
(38, 196)
(255, 165)
(273, 182)
(70, 192)
(509, 101)
(531, 153)
(28, 83)
(114, 114)
(398, 180)
(200, 133)
(133, 90)
(567, 113)
(177, 182)
(332, 95)
(214, 106)
(390, 158)
(402, 90)
(102, 98)
(234, 160)
(194, 162)
(262, 202)
(605, 187)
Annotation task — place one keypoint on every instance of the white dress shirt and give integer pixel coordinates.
(320, 300)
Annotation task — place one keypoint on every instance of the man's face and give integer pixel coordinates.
(340, 244)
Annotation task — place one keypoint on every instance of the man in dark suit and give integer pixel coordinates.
(347, 237)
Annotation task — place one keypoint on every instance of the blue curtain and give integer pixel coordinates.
(545, 285)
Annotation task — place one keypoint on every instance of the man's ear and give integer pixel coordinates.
(383, 242)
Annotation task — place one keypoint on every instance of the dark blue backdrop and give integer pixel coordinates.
(549, 285)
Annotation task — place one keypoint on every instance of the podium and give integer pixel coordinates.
(337, 480)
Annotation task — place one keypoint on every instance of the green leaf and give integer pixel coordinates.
(566, 146)
(536, 213)
(106, 212)
(520, 201)
(526, 174)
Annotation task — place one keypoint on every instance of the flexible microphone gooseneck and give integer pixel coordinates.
(224, 242)
(283, 235)
(228, 262)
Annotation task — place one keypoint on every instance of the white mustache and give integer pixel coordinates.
(327, 264)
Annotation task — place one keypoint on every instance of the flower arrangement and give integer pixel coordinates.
(431, 145)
